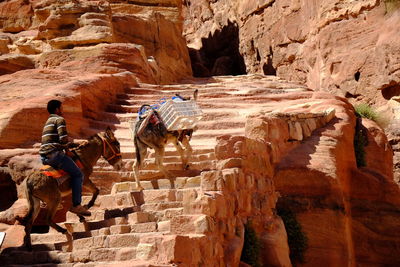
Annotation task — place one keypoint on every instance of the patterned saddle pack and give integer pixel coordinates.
(59, 174)
(147, 115)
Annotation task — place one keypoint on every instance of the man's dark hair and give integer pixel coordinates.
(52, 105)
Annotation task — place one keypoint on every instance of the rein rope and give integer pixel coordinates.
(115, 154)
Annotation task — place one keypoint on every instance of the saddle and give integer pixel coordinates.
(148, 115)
(59, 173)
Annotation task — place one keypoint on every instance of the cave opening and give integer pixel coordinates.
(268, 67)
(393, 89)
(8, 188)
(357, 76)
(219, 54)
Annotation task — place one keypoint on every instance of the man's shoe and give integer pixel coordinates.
(80, 210)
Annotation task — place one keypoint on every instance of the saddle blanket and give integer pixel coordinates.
(60, 175)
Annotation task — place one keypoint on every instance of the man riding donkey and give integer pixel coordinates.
(54, 140)
(49, 185)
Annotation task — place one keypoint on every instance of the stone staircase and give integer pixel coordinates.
(225, 102)
(120, 231)
(131, 228)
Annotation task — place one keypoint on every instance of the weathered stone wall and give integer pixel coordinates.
(344, 47)
(243, 190)
(338, 205)
(348, 48)
(83, 53)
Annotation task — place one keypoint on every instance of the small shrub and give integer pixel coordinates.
(297, 240)
(391, 5)
(366, 111)
(251, 246)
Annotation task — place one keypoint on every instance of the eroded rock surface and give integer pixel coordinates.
(264, 144)
(334, 46)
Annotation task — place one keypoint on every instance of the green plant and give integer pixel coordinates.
(251, 246)
(391, 5)
(297, 240)
(366, 111)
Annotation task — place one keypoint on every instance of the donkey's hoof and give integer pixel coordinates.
(139, 188)
(27, 247)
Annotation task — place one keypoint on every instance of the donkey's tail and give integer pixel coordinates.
(29, 196)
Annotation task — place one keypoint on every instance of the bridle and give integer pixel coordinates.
(105, 142)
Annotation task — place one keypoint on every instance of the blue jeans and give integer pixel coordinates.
(59, 160)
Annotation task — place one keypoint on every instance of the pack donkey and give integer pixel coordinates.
(40, 187)
(150, 132)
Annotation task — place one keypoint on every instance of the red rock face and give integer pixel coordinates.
(16, 15)
(292, 146)
(331, 46)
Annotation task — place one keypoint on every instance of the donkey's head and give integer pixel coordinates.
(195, 95)
(111, 149)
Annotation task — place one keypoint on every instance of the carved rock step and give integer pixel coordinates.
(149, 164)
(138, 222)
(136, 263)
(152, 195)
(102, 164)
(40, 258)
(199, 148)
(179, 177)
(201, 138)
(99, 214)
(165, 216)
(213, 124)
(120, 200)
(161, 206)
(206, 99)
(88, 226)
(86, 252)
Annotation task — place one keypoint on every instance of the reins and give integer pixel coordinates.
(115, 154)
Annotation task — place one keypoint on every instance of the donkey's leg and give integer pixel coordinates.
(136, 167)
(51, 211)
(188, 149)
(34, 208)
(159, 154)
(181, 152)
(89, 185)
(141, 154)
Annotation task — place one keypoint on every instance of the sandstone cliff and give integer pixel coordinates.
(343, 47)
(267, 146)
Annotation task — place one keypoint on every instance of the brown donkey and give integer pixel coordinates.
(156, 136)
(39, 187)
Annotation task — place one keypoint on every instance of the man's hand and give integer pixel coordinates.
(72, 145)
(83, 143)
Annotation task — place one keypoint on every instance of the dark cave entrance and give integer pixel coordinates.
(219, 54)
(8, 189)
(393, 89)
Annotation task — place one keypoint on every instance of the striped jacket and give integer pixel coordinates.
(54, 135)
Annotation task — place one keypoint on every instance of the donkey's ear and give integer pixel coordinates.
(109, 132)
